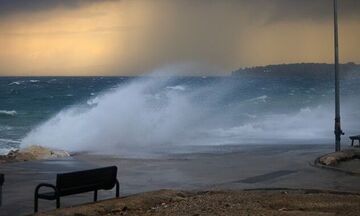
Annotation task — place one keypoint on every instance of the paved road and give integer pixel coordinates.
(236, 167)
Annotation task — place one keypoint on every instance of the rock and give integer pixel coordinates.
(334, 158)
(328, 160)
(32, 153)
(25, 156)
(59, 153)
(41, 153)
(12, 153)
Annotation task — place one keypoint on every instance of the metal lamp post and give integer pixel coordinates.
(338, 131)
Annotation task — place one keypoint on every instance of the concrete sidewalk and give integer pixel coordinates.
(242, 167)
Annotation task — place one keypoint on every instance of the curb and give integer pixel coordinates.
(306, 191)
(317, 164)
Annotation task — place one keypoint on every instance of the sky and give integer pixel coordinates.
(132, 37)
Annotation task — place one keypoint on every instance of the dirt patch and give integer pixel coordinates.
(169, 202)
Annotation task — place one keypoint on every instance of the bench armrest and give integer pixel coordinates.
(36, 195)
(45, 185)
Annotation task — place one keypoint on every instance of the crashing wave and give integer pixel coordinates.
(150, 112)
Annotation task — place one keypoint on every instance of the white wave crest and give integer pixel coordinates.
(15, 83)
(262, 99)
(8, 112)
(9, 141)
(6, 151)
(177, 88)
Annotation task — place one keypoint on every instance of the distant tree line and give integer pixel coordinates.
(314, 70)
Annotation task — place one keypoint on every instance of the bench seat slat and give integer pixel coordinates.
(48, 196)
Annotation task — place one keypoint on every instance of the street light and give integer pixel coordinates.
(338, 131)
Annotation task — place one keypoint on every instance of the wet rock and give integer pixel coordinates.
(32, 153)
(328, 161)
(334, 158)
(13, 153)
(40, 153)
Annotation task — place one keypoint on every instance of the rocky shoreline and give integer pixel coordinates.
(32, 153)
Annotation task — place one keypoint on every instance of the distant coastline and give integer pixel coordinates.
(314, 70)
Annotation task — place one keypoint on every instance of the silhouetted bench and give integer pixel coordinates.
(353, 138)
(2, 179)
(79, 182)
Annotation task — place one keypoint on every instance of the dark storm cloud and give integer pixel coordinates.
(317, 10)
(294, 10)
(10, 7)
(288, 10)
(274, 10)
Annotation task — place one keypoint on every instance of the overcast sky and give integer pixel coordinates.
(129, 37)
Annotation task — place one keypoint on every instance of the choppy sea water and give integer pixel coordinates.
(113, 114)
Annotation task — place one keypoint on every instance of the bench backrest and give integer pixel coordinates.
(1, 179)
(86, 181)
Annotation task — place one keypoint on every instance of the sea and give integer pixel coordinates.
(138, 114)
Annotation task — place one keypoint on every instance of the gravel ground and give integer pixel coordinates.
(170, 202)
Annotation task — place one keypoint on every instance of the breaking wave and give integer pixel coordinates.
(149, 112)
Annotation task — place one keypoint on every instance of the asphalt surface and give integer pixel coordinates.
(233, 167)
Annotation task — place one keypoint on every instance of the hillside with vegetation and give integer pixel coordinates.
(315, 70)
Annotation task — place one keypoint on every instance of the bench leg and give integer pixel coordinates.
(352, 142)
(36, 203)
(95, 195)
(58, 202)
(117, 188)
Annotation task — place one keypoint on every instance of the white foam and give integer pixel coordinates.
(93, 101)
(262, 99)
(6, 151)
(5, 127)
(15, 83)
(177, 88)
(9, 141)
(8, 112)
(51, 80)
(305, 125)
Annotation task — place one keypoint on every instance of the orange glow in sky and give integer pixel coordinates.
(133, 37)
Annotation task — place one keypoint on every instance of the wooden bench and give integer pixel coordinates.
(353, 138)
(79, 182)
(2, 179)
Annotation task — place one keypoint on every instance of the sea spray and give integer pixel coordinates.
(137, 114)
(159, 112)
